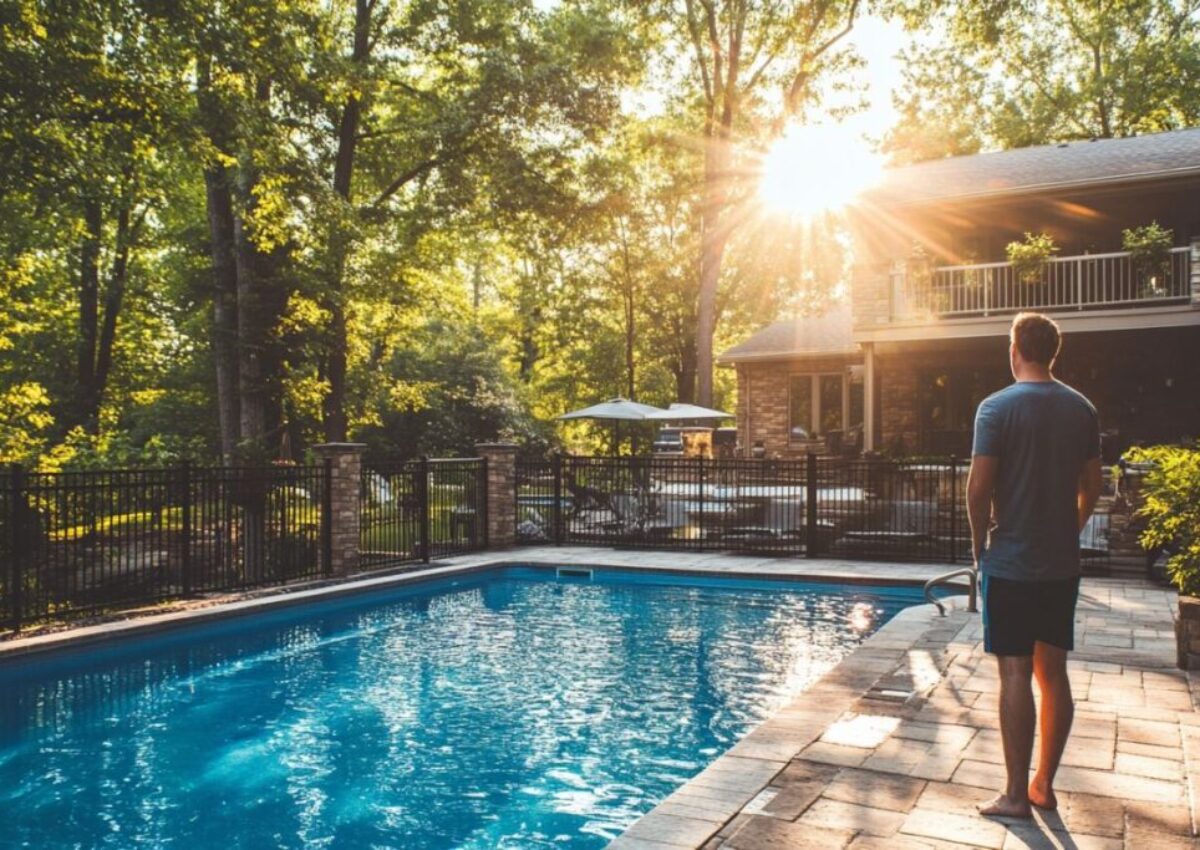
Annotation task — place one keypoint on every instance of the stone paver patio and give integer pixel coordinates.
(896, 746)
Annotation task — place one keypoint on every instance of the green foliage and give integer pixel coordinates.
(1172, 509)
(1149, 248)
(1009, 74)
(24, 422)
(445, 391)
(1029, 256)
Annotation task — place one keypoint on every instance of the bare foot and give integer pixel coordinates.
(1004, 807)
(1042, 795)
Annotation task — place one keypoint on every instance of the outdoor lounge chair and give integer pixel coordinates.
(905, 527)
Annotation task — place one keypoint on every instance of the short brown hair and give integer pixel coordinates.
(1037, 337)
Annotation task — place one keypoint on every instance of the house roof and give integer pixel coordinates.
(830, 333)
(1046, 167)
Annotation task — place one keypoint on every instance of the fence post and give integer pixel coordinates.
(700, 478)
(185, 526)
(481, 521)
(341, 516)
(502, 491)
(422, 483)
(327, 518)
(18, 543)
(810, 506)
(953, 509)
(556, 512)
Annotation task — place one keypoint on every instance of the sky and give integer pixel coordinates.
(879, 42)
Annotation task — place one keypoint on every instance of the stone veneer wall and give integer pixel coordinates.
(762, 406)
(347, 474)
(763, 398)
(501, 492)
(871, 294)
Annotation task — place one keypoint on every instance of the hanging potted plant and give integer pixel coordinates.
(1171, 508)
(1149, 250)
(1029, 257)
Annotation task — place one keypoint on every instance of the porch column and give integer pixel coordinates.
(1195, 257)
(868, 396)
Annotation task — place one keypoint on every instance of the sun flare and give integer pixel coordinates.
(815, 169)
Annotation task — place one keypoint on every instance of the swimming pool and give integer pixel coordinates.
(510, 708)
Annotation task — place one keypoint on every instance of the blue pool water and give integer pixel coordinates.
(509, 709)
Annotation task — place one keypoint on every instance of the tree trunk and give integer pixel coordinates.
(225, 307)
(254, 320)
(713, 237)
(219, 203)
(685, 376)
(114, 298)
(89, 310)
(334, 407)
(629, 304)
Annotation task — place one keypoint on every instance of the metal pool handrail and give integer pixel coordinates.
(972, 591)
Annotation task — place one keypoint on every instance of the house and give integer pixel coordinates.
(923, 337)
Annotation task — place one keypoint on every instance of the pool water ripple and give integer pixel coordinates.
(509, 711)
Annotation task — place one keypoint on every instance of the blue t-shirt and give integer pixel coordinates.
(1042, 432)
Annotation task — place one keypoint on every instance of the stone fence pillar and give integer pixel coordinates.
(343, 535)
(501, 492)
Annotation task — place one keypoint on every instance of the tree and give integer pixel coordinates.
(742, 52)
(1013, 73)
(91, 114)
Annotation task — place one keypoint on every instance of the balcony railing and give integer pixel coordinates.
(1088, 282)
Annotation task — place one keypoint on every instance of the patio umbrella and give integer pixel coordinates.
(689, 411)
(620, 409)
(616, 410)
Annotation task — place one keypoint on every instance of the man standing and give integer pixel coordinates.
(1034, 481)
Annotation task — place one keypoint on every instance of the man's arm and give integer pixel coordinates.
(1090, 480)
(981, 483)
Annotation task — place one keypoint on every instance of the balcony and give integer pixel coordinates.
(1088, 282)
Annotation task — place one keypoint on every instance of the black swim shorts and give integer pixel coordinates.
(1017, 614)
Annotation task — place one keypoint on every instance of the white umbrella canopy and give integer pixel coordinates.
(689, 411)
(619, 409)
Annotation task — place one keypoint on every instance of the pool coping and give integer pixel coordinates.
(695, 564)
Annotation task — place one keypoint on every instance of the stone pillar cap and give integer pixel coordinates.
(332, 448)
(500, 446)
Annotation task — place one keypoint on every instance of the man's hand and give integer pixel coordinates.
(981, 483)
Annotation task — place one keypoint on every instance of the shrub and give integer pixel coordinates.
(1029, 256)
(1171, 508)
(1149, 250)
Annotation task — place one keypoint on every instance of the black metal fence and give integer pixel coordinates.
(79, 542)
(412, 511)
(816, 506)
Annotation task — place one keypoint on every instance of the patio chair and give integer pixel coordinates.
(904, 527)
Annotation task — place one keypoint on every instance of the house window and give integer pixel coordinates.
(800, 407)
(832, 387)
(948, 400)
(823, 402)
